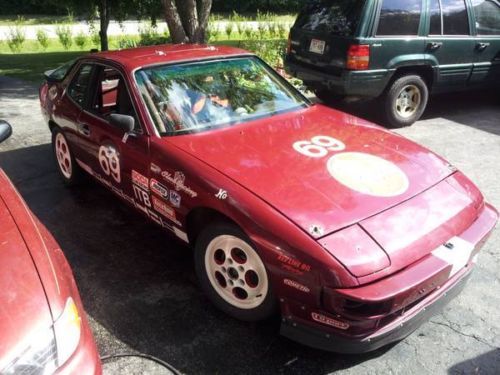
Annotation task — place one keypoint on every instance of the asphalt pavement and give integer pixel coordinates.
(139, 288)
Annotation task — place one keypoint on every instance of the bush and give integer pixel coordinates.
(16, 38)
(81, 40)
(149, 36)
(42, 38)
(272, 52)
(127, 43)
(95, 38)
(229, 29)
(64, 35)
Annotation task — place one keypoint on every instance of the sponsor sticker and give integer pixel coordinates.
(320, 318)
(222, 194)
(140, 180)
(293, 263)
(178, 180)
(155, 168)
(163, 208)
(296, 285)
(175, 198)
(158, 188)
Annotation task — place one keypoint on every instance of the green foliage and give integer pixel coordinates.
(229, 29)
(65, 36)
(95, 38)
(81, 40)
(149, 36)
(42, 38)
(125, 43)
(16, 36)
(271, 51)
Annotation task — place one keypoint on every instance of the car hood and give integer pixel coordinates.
(24, 310)
(362, 169)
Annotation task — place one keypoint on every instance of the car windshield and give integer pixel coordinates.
(195, 97)
(336, 17)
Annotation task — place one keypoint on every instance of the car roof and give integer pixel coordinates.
(134, 58)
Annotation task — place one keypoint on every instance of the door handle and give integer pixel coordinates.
(84, 129)
(482, 46)
(434, 45)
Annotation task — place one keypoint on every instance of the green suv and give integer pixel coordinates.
(397, 50)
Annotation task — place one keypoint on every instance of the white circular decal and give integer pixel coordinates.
(368, 174)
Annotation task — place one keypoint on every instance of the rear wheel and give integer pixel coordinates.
(232, 274)
(66, 165)
(405, 101)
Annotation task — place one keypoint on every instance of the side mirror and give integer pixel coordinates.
(5, 130)
(123, 122)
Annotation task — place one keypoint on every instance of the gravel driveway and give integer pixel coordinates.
(139, 287)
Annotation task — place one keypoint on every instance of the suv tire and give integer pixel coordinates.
(405, 101)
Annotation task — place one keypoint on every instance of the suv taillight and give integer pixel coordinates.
(358, 57)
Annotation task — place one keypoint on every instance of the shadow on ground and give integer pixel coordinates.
(138, 283)
(488, 363)
(477, 109)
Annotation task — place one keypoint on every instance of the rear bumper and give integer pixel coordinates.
(365, 83)
(395, 331)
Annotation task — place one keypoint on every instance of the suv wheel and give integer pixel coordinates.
(232, 274)
(405, 101)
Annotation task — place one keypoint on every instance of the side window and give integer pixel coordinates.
(455, 20)
(487, 17)
(436, 27)
(78, 88)
(112, 96)
(399, 17)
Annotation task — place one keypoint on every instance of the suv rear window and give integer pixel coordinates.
(336, 17)
(399, 17)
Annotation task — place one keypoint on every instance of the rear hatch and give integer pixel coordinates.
(323, 32)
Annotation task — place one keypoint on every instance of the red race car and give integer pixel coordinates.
(355, 233)
(43, 328)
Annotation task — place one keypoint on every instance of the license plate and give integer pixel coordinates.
(317, 46)
(458, 256)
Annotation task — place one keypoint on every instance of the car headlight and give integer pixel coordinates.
(51, 348)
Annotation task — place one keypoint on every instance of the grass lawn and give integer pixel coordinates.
(30, 66)
(32, 63)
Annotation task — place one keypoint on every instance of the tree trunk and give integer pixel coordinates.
(104, 17)
(187, 20)
(174, 22)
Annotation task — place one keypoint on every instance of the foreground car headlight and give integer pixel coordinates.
(51, 348)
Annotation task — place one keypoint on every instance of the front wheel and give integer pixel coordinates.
(232, 274)
(405, 101)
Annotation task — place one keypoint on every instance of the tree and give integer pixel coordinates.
(187, 20)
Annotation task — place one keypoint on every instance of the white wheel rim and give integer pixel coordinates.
(408, 101)
(63, 156)
(236, 272)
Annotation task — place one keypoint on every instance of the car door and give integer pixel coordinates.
(68, 110)
(449, 45)
(119, 160)
(486, 70)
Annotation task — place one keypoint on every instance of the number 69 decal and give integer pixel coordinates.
(110, 162)
(318, 146)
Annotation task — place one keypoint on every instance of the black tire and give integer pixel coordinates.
(392, 114)
(73, 175)
(268, 305)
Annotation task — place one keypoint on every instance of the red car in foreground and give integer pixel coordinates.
(355, 233)
(43, 327)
